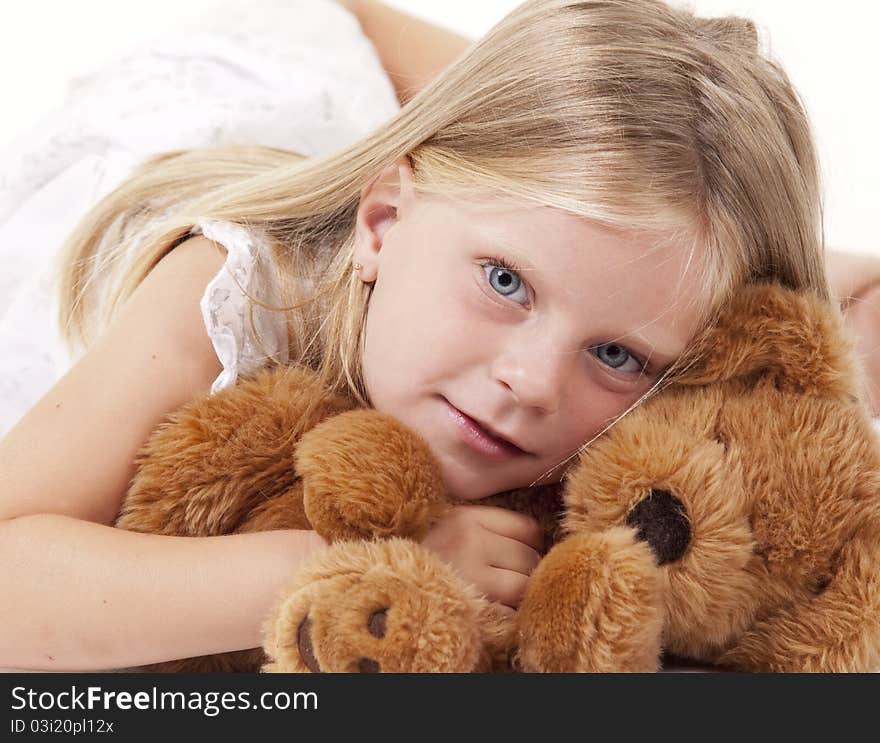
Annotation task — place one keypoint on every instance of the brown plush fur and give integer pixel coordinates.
(246, 460)
(776, 466)
(755, 545)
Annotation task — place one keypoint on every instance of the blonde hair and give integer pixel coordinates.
(632, 113)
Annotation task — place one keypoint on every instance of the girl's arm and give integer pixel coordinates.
(81, 596)
(78, 594)
(411, 50)
(851, 274)
(855, 284)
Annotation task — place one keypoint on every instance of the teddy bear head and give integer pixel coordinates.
(755, 481)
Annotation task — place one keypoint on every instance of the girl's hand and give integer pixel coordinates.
(855, 284)
(494, 549)
(862, 316)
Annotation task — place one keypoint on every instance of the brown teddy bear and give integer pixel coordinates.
(733, 519)
(276, 452)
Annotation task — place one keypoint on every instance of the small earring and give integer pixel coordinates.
(357, 266)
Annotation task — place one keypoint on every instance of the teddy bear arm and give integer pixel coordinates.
(365, 475)
(284, 511)
(592, 605)
(218, 458)
(837, 632)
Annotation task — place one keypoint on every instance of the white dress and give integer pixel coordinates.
(295, 74)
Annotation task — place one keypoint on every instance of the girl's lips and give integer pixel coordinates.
(478, 439)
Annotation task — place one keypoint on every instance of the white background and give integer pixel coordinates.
(830, 51)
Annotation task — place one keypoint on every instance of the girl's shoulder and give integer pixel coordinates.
(246, 336)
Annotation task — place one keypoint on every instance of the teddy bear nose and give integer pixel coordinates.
(662, 521)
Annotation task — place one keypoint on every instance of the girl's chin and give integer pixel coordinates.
(462, 484)
(469, 490)
(463, 490)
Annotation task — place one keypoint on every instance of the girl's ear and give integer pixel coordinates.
(382, 204)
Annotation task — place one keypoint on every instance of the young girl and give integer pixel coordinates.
(526, 249)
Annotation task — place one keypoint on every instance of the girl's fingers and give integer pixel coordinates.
(506, 587)
(506, 611)
(512, 555)
(511, 524)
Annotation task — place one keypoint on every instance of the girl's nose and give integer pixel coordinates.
(536, 374)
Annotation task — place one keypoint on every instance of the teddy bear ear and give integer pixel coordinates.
(768, 331)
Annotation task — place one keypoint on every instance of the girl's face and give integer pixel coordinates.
(545, 351)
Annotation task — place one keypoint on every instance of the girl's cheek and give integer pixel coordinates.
(620, 388)
(469, 304)
(592, 401)
(485, 309)
(607, 384)
(483, 323)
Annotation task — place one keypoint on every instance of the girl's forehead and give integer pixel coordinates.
(532, 230)
(511, 219)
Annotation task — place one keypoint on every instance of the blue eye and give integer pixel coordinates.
(504, 278)
(616, 356)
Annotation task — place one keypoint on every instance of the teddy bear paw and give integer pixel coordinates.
(371, 607)
(365, 475)
(593, 604)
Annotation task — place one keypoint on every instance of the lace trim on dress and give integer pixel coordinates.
(226, 309)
